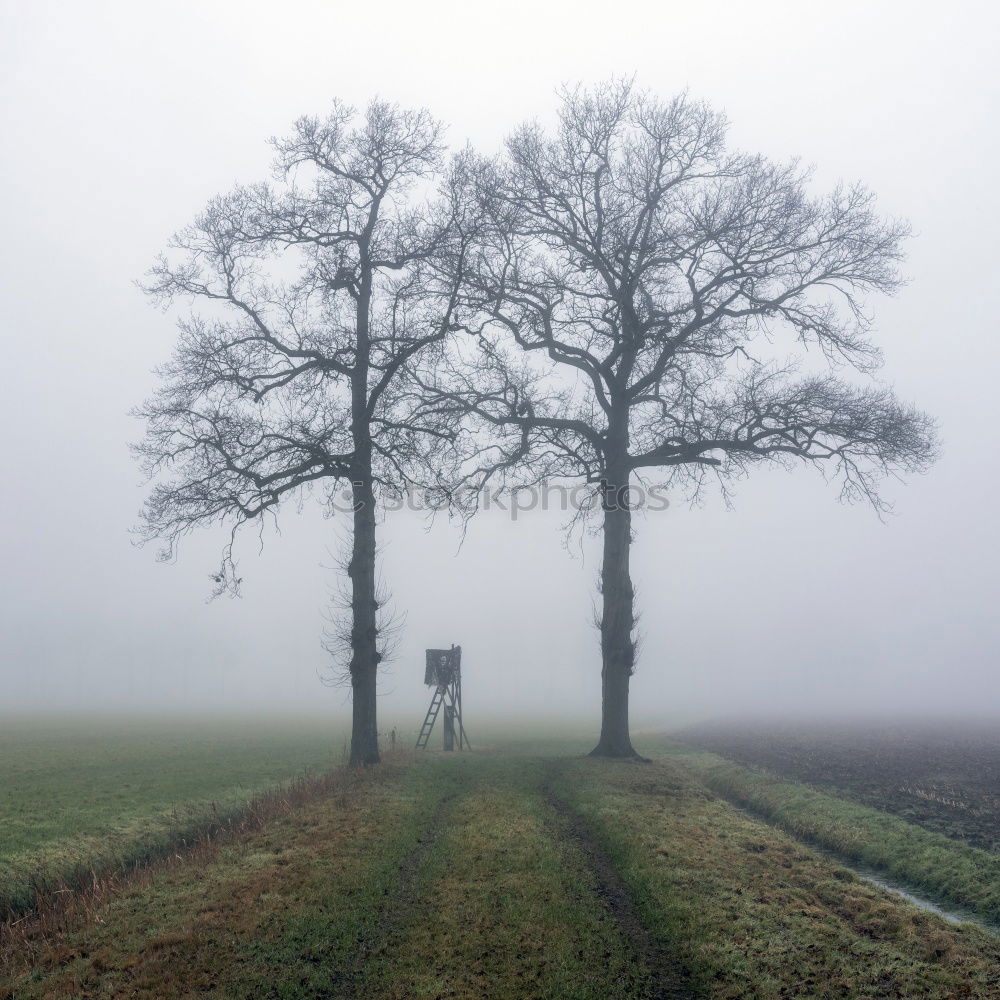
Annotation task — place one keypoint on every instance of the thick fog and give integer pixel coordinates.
(119, 121)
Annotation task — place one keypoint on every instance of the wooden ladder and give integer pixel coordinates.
(431, 717)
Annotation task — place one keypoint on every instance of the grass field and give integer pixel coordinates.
(80, 795)
(520, 870)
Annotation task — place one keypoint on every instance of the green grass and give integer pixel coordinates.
(949, 870)
(312, 906)
(751, 913)
(279, 913)
(97, 794)
(454, 876)
(507, 904)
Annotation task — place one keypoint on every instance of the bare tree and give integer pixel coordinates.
(632, 297)
(313, 300)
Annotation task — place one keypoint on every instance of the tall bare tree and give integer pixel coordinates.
(312, 304)
(632, 297)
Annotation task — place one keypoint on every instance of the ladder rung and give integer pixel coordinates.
(431, 717)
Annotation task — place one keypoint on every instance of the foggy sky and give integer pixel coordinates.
(119, 121)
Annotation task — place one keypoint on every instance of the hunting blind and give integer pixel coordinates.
(443, 672)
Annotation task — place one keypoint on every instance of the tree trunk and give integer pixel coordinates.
(617, 619)
(364, 604)
(364, 624)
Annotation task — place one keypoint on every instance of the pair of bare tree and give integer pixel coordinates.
(602, 303)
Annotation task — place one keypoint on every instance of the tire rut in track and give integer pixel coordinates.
(668, 979)
(350, 982)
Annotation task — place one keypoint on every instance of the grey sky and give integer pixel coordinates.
(120, 120)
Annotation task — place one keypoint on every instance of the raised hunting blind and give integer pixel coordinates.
(443, 672)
